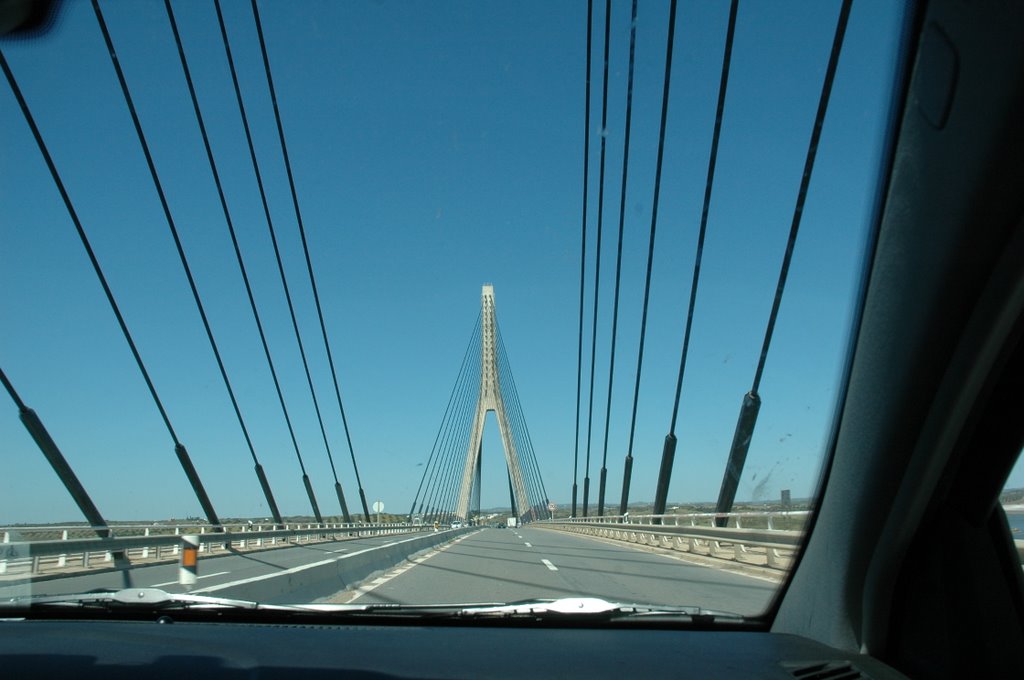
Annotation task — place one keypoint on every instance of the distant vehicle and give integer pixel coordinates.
(456, 525)
(512, 522)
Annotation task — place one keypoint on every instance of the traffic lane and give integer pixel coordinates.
(623, 573)
(510, 565)
(213, 570)
(476, 569)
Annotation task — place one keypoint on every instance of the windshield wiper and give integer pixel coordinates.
(593, 608)
(561, 609)
(135, 599)
(566, 609)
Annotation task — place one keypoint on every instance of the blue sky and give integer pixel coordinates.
(435, 148)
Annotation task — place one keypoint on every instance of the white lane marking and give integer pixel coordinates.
(173, 583)
(295, 570)
(547, 563)
(359, 591)
(338, 551)
(528, 545)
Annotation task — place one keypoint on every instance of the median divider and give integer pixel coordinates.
(42, 559)
(309, 582)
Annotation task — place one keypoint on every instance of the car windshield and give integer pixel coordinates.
(461, 303)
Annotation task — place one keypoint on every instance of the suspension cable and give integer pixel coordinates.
(751, 403)
(583, 257)
(709, 184)
(597, 250)
(261, 474)
(618, 260)
(30, 419)
(179, 449)
(453, 439)
(521, 417)
(280, 270)
(450, 481)
(444, 418)
(668, 451)
(305, 251)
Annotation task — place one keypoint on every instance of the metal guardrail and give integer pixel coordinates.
(735, 519)
(66, 551)
(698, 534)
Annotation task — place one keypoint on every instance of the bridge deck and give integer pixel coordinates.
(514, 564)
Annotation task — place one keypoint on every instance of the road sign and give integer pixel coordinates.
(552, 507)
(378, 506)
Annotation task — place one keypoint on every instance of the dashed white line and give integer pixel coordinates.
(528, 545)
(173, 583)
(547, 563)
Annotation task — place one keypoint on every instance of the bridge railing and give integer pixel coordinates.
(767, 539)
(31, 551)
(762, 538)
(771, 520)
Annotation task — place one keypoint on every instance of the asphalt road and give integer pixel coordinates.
(490, 565)
(213, 571)
(505, 565)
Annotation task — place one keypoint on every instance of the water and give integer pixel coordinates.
(1016, 520)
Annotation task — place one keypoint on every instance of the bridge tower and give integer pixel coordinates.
(490, 399)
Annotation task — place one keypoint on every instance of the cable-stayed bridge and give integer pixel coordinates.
(450, 486)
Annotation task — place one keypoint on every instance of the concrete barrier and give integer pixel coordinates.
(61, 557)
(310, 582)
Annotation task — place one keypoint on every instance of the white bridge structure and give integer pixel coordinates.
(490, 399)
(450, 489)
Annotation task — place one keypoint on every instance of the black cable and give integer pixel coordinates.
(668, 451)
(805, 180)
(449, 441)
(158, 185)
(519, 416)
(523, 444)
(170, 220)
(597, 250)
(179, 448)
(583, 256)
(277, 256)
(712, 161)
(88, 247)
(446, 470)
(751, 404)
(518, 450)
(450, 495)
(444, 418)
(15, 397)
(618, 260)
(513, 407)
(238, 253)
(305, 251)
(48, 447)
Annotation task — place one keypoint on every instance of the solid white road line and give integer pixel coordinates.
(171, 583)
(547, 563)
(300, 568)
(401, 569)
